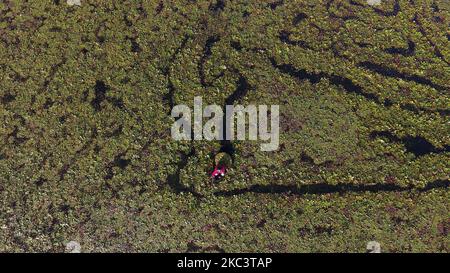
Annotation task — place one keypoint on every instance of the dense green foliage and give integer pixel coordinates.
(86, 152)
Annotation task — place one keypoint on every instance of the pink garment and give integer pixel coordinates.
(219, 172)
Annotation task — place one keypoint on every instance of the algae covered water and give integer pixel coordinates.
(86, 153)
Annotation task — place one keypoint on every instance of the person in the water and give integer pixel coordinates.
(222, 162)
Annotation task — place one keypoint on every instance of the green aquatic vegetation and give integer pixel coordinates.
(86, 153)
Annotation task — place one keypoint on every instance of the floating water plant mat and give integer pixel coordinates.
(86, 154)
